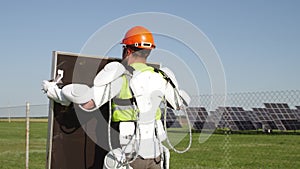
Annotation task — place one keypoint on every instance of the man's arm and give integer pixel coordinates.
(107, 84)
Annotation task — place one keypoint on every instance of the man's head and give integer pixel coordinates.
(138, 42)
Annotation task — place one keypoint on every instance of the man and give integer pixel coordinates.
(136, 92)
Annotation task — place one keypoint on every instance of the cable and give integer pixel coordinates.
(168, 80)
(189, 125)
(109, 135)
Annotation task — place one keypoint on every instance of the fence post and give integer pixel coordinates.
(27, 136)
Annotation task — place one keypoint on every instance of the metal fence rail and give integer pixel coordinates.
(38, 110)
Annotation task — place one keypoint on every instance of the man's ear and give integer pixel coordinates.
(129, 51)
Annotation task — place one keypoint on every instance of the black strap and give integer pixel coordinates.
(165, 76)
(130, 69)
(131, 101)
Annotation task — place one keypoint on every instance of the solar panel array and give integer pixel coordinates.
(273, 116)
(283, 116)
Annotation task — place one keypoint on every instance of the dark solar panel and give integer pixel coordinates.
(254, 119)
(171, 119)
(283, 117)
(193, 116)
(273, 116)
(265, 118)
(199, 118)
(215, 117)
(297, 112)
(235, 118)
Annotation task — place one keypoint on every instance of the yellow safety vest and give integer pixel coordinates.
(122, 105)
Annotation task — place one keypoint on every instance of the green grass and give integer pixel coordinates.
(12, 145)
(240, 151)
(236, 151)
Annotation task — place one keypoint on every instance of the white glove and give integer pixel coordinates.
(54, 93)
(46, 85)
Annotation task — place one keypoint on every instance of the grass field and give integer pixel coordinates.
(12, 145)
(240, 151)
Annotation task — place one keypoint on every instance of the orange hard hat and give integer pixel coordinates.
(139, 37)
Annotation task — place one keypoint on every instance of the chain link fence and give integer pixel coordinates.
(19, 112)
(212, 103)
(243, 111)
(246, 100)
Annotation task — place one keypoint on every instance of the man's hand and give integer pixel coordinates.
(46, 85)
(54, 92)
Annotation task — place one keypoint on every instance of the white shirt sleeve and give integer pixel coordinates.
(107, 84)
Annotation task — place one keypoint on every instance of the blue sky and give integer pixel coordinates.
(257, 40)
